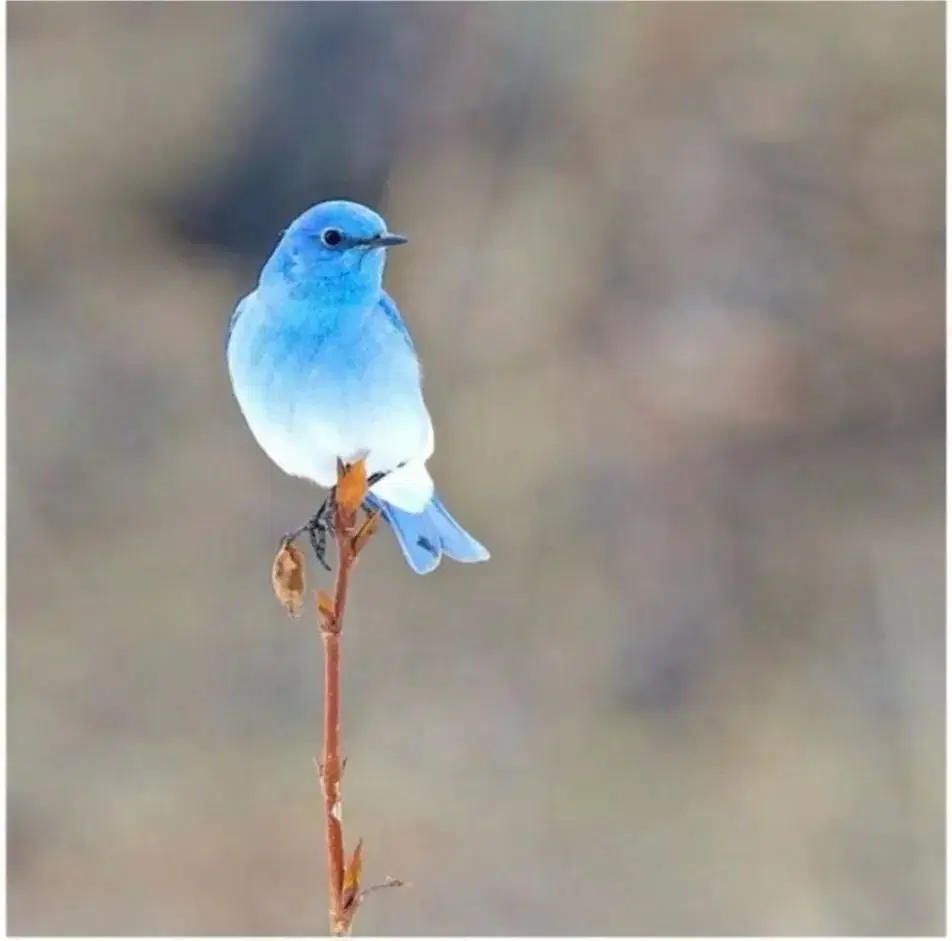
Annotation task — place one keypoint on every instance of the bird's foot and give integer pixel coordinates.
(321, 525)
(318, 527)
(318, 537)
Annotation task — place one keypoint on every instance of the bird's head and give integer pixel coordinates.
(336, 245)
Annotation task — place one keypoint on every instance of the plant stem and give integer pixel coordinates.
(330, 623)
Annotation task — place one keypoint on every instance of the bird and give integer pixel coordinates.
(324, 370)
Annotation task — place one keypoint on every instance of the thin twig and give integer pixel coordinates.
(330, 779)
(343, 876)
(345, 894)
(330, 623)
(389, 884)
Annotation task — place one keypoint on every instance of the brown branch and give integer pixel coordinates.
(330, 781)
(330, 622)
(343, 877)
(344, 895)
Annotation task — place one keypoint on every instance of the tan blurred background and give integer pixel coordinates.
(676, 276)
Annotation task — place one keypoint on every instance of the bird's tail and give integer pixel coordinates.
(425, 537)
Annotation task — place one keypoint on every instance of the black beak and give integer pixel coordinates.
(385, 240)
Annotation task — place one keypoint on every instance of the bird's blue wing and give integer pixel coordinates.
(390, 311)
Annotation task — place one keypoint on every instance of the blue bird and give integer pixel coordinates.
(324, 369)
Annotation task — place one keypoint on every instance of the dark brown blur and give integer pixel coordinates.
(676, 275)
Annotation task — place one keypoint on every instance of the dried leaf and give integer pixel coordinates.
(287, 578)
(351, 486)
(367, 529)
(324, 604)
(352, 873)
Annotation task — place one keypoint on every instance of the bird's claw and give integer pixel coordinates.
(321, 524)
(317, 528)
(318, 537)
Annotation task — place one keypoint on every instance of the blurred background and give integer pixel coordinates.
(676, 276)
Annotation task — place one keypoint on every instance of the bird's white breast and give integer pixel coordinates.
(311, 397)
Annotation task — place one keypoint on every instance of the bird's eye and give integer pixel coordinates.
(331, 237)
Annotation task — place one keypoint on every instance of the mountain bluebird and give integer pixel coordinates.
(323, 369)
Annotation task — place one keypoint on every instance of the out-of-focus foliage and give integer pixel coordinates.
(676, 275)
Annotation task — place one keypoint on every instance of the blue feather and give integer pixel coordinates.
(425, 537)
